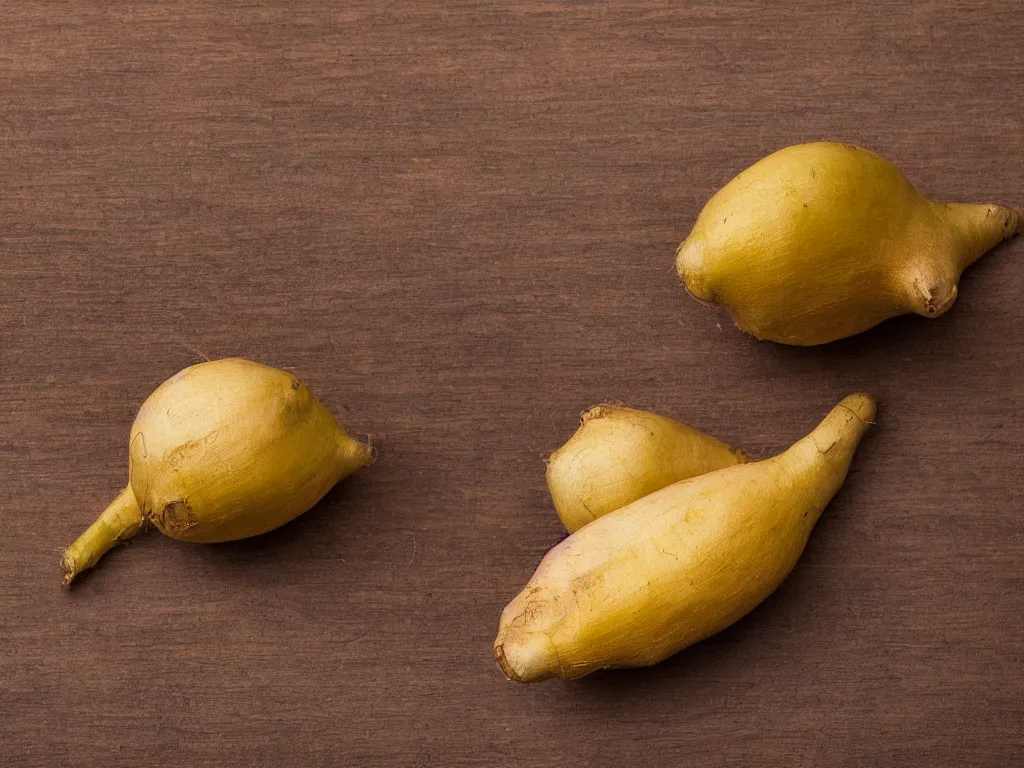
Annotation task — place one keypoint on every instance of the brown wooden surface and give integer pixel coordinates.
(456, 224)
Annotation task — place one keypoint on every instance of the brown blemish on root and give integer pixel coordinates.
(175, 517)
(1013, 219)
(856, 415)
(597, 412)
(934, 300)
(190, 448)
(70, 568)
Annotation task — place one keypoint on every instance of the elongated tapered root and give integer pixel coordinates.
(121, 520)
(678, 565)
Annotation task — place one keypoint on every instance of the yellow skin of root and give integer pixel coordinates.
(222, 450)
(619, 455)
(639, 584)
(821, 241)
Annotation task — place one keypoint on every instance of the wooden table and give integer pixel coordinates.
(456, 224)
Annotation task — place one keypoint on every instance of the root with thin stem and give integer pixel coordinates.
(121, 520)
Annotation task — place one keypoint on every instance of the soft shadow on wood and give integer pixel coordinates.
(908, 331)
(342, 501)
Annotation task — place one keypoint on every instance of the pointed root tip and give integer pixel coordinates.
(861, 405)
(689, 267)
(503, 664)
(526, 658)
(369, 452)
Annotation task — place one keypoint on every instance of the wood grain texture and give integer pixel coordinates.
(456, 222)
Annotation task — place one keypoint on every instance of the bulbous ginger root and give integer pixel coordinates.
(221, 451)
(821, 241)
